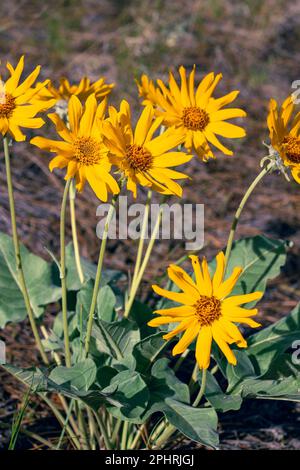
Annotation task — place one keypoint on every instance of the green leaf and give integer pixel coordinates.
(116, 339)
(198, 424)
(40, 383)
(39, 276)
(147, 351)
(34, 378)
(282, 389)
(172, 397)
(261, 259)
(132, 393)
(269, 343)
(142, 314)
(237, 374)
(219, 400)
(162, 384)
(83, 302)
(106, 302)
(81, 376)
(89, 269)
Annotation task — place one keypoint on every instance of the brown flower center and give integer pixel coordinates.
(194, 118)
(87, 151)
(207, 310)
(7, 105)
(138, 158)
(292, 148)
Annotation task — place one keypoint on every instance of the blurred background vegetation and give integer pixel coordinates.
(254, 43)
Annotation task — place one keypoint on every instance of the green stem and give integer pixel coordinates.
(139, 277)
(202, 388)
(63, 274)
(98, 275)
(248, 193)
(19, 267)
(141, 241)
(72, 195)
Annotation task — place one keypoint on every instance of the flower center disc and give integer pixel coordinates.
(7, 105)
(194, 118)
(138, 158)
(208, 309)
(292, 148)
(87, 151)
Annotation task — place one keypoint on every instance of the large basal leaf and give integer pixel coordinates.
(243, 369)
(266, 345)
(81, 375)
(106, 302)
(116, 339)
(163, 383)
(132, 393)
(244, 382)
(220, 400)
(40, 383)
(142, 314)
(171, 396)
(147, 351)
(281, 389)
(261, 259)
(198, 424)
(40, 283)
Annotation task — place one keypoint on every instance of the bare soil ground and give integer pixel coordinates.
(255, 44)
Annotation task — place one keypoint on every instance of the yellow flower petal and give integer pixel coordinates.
(176, 296)
(227, 286)
(186, 339)
(203, 347)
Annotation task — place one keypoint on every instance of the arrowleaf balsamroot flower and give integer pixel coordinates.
(82, 150)
(194, 112)
(140, 157)
(207, 312)
(284, 127)
(82, 90)
(18, 104)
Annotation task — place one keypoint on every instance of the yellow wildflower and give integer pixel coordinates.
(81, 150)
(284, 127)
(195, 113)
(18, 106)
(207, 313)
(140, 157)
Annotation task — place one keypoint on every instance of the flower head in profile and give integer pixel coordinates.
(18, 106)
(81, 148)
(194, 112)
(207, 312)
(284, 127)
(82, 90)
(148, 91)
(142, 158)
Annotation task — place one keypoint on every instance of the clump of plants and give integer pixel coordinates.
(114, 371)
